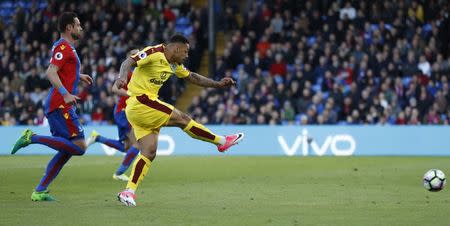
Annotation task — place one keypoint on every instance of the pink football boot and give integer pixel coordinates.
(230, 141)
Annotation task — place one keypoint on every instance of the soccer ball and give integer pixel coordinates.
(434, 180)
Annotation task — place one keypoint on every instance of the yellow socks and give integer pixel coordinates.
(140, 169)
(199, 131)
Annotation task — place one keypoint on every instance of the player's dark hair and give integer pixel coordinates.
(178, 38)
(65, 19)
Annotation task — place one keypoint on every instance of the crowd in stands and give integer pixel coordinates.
(111, 28)
(295, 61)
(333, 62)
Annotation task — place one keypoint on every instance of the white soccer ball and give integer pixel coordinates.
(434, 180)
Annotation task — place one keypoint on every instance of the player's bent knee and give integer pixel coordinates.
(81, 144)
(83, 147)
(149, 154)
(185, 118)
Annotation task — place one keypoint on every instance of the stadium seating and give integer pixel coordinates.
(28, 28)
(363, 55)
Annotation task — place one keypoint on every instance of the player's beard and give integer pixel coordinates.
(75, 36)
(182, 61)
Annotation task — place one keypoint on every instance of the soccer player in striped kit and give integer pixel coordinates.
(60, 106)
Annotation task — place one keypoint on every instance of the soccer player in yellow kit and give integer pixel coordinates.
(147, 114)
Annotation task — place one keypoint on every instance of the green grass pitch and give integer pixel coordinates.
(230, 191)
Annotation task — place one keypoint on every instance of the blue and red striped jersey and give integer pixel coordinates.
(66, 58)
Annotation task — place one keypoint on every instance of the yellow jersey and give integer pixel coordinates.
(152, 71)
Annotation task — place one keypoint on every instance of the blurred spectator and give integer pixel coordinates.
(347, 12)
(7, 120)
(40, 118)
(279, 67)
(97, 115)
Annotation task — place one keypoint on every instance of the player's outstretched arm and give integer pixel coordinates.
(52, 75)
(203, 81)
(125, 67)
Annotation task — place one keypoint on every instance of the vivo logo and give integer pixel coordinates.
(331, 143)
(162, 138)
